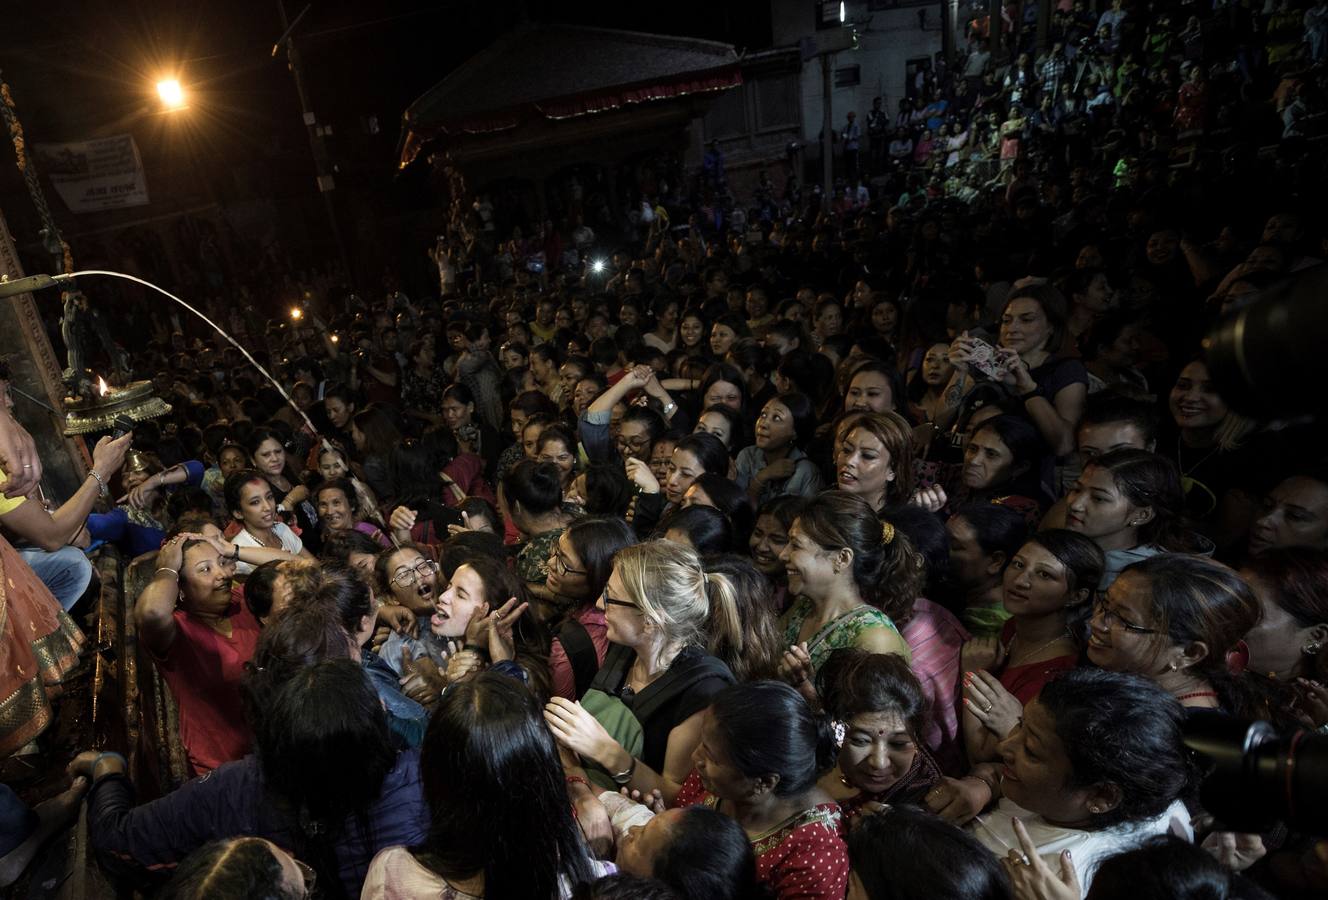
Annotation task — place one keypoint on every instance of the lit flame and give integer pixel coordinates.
(102, 387)
(335, 339)
(296, 312)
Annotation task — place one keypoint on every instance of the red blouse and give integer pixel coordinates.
(802, 858)
(203, 670)
(1026, 681)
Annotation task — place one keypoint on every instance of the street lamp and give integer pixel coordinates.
(172, 95)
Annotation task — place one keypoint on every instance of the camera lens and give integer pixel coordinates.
(1261, 355)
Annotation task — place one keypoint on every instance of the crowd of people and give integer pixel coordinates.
(886, 549)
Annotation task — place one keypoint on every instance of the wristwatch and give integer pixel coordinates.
(625, 777)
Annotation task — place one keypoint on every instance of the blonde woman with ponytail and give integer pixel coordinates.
(641, 719)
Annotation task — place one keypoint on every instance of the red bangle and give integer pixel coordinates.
(577, 779)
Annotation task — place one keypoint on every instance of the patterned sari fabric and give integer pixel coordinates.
(842, 632)
(804, 856)
(39, 647)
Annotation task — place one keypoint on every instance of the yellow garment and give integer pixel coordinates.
(8, 505)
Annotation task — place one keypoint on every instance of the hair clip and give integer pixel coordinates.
(837, 731)
(887, 532)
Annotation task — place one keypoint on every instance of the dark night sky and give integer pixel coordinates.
(80, 67)
(85, 68)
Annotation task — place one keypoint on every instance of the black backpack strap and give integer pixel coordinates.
(679, 679)
(580, 650)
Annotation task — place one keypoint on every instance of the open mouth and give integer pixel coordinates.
(847, 477)
(1094, 640)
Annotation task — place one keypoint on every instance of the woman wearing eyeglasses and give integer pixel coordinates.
(579, 568)
(641, 719)
(1175, 618)
(410, 575)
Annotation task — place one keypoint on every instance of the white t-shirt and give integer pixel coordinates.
(290, 542)
(995, 831)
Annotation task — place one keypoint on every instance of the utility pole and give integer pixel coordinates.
(322, 162)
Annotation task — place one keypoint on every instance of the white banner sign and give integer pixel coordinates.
(91, 176)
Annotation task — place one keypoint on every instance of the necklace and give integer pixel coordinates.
(1180, 459)
(263, 542)
(1035, 651)
(1194, 694)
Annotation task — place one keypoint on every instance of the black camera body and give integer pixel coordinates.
(1255, 778)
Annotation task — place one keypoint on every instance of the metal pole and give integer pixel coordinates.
(322, 164)
(827, 130)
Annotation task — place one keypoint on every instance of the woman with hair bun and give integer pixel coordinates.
(878, 717)
(761, 747)
(531, 498)
(836, 554)
(1175, 619)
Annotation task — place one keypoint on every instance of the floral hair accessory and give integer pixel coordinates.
(887, 532)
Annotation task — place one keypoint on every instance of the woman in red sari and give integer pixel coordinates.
(757, 762)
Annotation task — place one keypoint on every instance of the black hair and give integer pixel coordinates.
(584, 363)
(852, 682)
(811, 373)
(709, 451)
(487, 734)
(1082, 558)
(927, 532)
(748, 353)
(734, 323)
(238, 868)
(347, 489)
(479, 508)
(732, 501)
(1153, 481)
(413, 466)
(706, 528)
(337, 548)
(707, 856)
(738, 427)
(888, 576)
(1108, 406)
(753, 653)
(532, 402)
(766, 728)
(596, 540)
(234, 484)
(725, 372)
(459, 392)
(997, 529)
(608, 490)
(380, 431)
(621, 886)
(324, 715)
(1123, 730)
(258, 588)
(784, 508)
(904, 853)
(1026, 446)
(1193, 600)
(547, 352)
(654, 423)
(800, 406)
(346, 594)
(536, 486)
(1166, 867)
